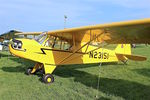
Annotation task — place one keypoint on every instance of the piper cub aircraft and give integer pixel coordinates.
(82, 45)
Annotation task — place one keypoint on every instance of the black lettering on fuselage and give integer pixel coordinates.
(91, 55)
(99, 55)
(105, 55)
(95, 54)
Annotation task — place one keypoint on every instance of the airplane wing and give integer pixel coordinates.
(136, 31)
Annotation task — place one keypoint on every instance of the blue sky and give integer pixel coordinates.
(44, 15)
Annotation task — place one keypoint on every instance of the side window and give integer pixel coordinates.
(57, 43)
(65, 45)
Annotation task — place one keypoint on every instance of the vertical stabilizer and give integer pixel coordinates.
(123, 49)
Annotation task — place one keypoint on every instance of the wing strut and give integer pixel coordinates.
(82, 46)
(102, 46)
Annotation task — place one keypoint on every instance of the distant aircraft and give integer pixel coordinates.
(9, 35)
(5, 37)
(82, 45)
(1, 39)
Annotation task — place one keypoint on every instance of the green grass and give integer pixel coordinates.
(77, 82)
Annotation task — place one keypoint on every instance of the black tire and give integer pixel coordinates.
(48, 78)
(28, 71)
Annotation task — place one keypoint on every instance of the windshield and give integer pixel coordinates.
(41, 38)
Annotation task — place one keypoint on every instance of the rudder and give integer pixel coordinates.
(123, 49)
(123, 52)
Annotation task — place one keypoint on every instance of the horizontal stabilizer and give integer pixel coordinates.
(133, 57)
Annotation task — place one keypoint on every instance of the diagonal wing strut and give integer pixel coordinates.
(82, 47)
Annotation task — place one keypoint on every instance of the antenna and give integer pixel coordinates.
(65, 20)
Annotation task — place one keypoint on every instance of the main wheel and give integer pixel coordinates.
(48, 78)
(28, 71)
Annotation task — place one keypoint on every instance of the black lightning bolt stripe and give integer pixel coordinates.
(42, 49)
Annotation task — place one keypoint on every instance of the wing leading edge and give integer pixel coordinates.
(137, 31)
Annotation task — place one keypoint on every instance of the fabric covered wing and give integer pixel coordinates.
(137, 31)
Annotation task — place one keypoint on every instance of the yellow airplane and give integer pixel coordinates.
(83, 45)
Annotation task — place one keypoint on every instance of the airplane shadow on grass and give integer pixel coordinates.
(126, 89)
(117, 87)
(21, 68)
(5, 55)
(29, 64)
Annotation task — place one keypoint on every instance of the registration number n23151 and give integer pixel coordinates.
(99, 55)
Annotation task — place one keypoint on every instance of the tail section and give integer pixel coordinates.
(123, 49)
(123, 52)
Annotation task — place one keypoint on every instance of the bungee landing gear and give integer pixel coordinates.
(45, 69)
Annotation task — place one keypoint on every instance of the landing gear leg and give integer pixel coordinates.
(48, 78)
(33, 70)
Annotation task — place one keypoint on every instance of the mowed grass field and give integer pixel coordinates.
(77, 82)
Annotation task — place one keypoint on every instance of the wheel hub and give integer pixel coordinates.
(48, 79)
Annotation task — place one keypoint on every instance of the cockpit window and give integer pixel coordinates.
(57, 43)
(49, 42)
(52, 41)
(41, 38)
